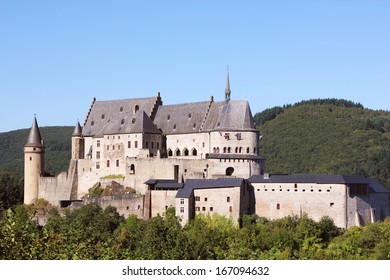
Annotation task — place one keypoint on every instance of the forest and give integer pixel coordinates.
(93, 233)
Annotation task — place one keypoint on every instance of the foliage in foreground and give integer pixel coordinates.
(91, 232)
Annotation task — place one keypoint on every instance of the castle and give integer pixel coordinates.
(198, 157)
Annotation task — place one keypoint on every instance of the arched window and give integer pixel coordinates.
(224, 150)
(132, 169)
(229, 150)
(185, 152)
(236, 150)
(229, 171)
(194, 152)
(136, 108)
(278, 206)
(247, 150)
(217, 150)
(177, 152)
(170, 153)
(254, 150)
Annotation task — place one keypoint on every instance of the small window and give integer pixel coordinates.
(122, 121)
(205, 199)
(97, 165)
(92, 123)
(228, 199)
(181, 200)
(197, 198)
(136, 108)
(133, 120)
(103, 116)
(108, 163)
(230, 209)
(121, 109)
(135, 144)
(189, 115)
(98, 143)
(331, 204)
(203, 208)
(117, 163)
(168, 117)
(211, 209)
(278, 206)
(181, 209)
(129, 144)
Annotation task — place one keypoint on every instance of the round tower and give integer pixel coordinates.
(77, 142)
(34, 156)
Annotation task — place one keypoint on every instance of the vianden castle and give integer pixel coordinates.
(200, 158)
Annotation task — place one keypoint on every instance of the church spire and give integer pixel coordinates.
(227, 89)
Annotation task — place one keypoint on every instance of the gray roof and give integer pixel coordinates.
(192, 184)
(309, 178)
(375, 186)
(77, 130)
(234, 156)
(181, 118)
(106, 117)
(232, 115)
(164, 184)
(34, 138)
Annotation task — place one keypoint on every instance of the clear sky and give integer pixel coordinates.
(56, 56)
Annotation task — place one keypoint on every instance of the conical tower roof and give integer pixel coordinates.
(34, 138)
(77, 130)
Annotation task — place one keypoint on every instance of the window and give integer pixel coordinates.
(181, 200)
(181, 209)
(98, 154)
(211, 209)
(205, 199)
(147, 144)
(278, 206)
(197, 209)
(197, 198)
(228, 199)
(152, 144)
(98, 143)
(117, 163)
(331, 204)
(135, 144)
(132, 169)
(129, 144)
(185, 152)
(230, 209)
(136, 108)
(108, 163)
(97, 165)
(229, 171)
(170, 153)
(194, 152)
(203, 208)
(158, 145)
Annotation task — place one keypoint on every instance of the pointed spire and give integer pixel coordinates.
(227, 89)
(34, 138)
(77, 130)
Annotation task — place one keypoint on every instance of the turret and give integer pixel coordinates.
(77, 142)
(34, 160)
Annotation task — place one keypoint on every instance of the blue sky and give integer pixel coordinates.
(56, 56)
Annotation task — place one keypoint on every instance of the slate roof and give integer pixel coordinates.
(309, 178)
(233, 156)
(192, 184)
(34, 138)
(164, 184)
(77, 130)
(181, 118)
(105, 117)
(233, 115)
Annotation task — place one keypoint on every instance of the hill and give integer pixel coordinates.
(58, 145)
(326, 136)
